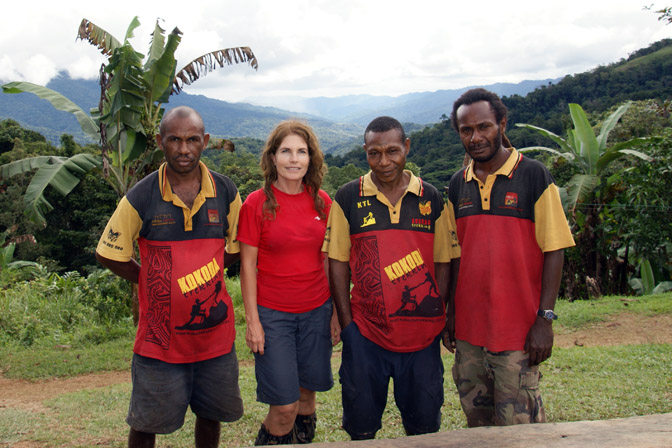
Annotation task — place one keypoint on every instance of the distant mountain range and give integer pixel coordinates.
(418, 107)
(339, 122)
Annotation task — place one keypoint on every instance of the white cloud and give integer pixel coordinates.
(321, 47)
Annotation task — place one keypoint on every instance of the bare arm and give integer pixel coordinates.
(442, 275)
(339, 284)
(254, 335)
(129, 270)
(539, 342)
(449, 330)
(334, 325)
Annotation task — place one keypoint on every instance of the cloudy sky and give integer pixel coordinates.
(311, 48)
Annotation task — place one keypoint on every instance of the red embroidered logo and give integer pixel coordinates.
(511, 200)
(213, 216)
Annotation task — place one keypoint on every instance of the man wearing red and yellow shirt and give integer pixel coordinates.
(512, 232)
(182, 217)
(389, 232)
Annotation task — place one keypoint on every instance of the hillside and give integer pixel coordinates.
(645, 74)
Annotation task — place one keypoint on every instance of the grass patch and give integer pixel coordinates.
(581, 313)
(47, 362)
(579, 384)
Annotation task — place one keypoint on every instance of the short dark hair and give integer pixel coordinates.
(474, 96)
(180, 112)
(384, 124)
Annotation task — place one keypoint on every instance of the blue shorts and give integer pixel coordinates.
(366, 369)
(162, 391)
(297, 353)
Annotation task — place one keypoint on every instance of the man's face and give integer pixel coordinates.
(386, 154)
(182, 143)
(479, 131)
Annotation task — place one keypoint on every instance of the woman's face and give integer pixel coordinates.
(291, 159)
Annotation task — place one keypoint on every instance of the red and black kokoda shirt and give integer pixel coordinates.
(186, 314)
(391, 250)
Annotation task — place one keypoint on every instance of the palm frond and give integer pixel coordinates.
(209, 62)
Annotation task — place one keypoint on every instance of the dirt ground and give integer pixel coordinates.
(621, 329)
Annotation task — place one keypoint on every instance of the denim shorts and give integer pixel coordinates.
(297, 353)
(162, 391)
(366, 369)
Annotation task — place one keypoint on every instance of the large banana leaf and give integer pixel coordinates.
(556, 138)
(621, 149)
(208, 62)
(585, 137)
(59, 102)
(160, 66)
(22, 166)
(580, 188)
(59, 173)
(131, 27)
(609, 125)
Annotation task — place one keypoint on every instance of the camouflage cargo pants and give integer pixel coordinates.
(497, 388)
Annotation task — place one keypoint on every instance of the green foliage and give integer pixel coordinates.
(60, 173)
(241, 166)
(10, 131)
(68, 310)
(336, 177)
(75, 225)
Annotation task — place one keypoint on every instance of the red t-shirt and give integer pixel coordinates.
(290, 267)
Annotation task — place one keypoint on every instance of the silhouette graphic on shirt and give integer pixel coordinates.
(210, 318)
(430, 305)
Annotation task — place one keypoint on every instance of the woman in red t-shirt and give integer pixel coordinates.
(291, 324)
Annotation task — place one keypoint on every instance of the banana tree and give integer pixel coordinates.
(588, 152)
(129, 112)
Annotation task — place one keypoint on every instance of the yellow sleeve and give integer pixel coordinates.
(550, 224)
(337, 237)
(232, 244)
(446, 246)
(122, 230)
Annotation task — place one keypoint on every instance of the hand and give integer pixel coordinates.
(335, 328)
(539, 341)
(255, 338)
(448, 334)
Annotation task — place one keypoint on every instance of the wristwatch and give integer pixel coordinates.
(549, 315)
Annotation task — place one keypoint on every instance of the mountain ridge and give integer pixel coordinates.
(339, 121)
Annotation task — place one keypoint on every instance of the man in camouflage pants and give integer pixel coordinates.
(512, 232)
